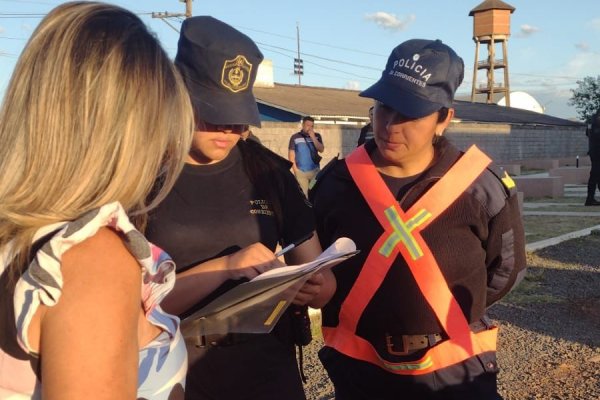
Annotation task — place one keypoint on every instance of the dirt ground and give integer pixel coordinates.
(549, 343)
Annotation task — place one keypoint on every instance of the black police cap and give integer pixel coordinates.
(219, 65)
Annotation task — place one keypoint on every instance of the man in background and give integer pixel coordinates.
(303, 152)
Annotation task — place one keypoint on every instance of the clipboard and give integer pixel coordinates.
(257, 305)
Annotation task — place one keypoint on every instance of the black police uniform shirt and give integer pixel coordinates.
(214, 210)
(478, 242)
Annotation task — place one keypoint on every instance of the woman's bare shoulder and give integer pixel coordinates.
(102, 267)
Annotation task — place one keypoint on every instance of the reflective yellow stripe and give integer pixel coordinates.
(402, 232)
(275, 312)
(427, 363)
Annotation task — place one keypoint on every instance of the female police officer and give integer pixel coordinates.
(234, 201)
(441, 240)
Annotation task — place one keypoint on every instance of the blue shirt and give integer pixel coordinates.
(299, 143)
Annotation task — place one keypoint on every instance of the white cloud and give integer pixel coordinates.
(583, 64)
(595, 24)
(390, 21)
(26, 27)
(352, 85)
(583, 46)
(2, 30)
(527, 30)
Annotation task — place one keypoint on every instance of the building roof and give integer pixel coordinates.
(330, 103)
(493, 113)
(492, 5)
(315, 101)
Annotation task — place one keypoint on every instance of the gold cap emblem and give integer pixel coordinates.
(236, 74)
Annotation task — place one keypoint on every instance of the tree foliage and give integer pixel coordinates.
(586, 97)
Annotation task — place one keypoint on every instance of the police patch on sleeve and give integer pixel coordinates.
(507, 181)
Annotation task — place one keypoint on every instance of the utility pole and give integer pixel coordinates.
(188, 8)
(298, 62)
(164, 15)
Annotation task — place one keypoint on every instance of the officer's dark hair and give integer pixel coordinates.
(443, 114)
(308, 118)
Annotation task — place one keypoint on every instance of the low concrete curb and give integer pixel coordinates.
(556, 240)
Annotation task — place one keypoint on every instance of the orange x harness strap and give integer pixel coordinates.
(402, 235)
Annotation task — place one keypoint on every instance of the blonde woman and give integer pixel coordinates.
(81, 287)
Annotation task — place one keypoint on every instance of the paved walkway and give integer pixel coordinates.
(565, 213)
(572, 191)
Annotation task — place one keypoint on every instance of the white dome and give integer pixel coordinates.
(523, 101)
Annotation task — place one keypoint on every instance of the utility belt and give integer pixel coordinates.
(293, 328)
(217, 340)
(403, 345)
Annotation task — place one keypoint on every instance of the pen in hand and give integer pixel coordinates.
(293, 245)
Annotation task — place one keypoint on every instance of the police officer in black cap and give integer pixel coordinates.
(441, 239)
(593, 133)
(233, 203)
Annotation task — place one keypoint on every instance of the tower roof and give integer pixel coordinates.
(492, 5)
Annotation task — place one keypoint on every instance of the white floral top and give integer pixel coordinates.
(162, 363)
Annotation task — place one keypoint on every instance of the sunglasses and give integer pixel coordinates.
(232, 128)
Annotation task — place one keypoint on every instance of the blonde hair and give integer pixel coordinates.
(95, 112)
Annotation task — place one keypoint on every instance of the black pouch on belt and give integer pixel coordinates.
(301, 325)
(302, 334)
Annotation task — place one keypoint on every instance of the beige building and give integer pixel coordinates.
(506, 134)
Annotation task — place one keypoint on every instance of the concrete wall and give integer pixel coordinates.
(511, 143)
(504, 143)
(338, 139)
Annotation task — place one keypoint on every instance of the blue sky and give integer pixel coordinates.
(345, 44)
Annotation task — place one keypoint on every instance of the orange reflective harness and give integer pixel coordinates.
(402, 235)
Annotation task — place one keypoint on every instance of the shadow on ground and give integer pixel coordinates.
(560, 296)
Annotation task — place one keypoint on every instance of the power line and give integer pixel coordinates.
(317, 43)
(544, 76)
(322, 58)
(12, 38)
(32, 16)
(165, 15)
(23, 14)
(31, 2)
(323, 66)
(312, 72)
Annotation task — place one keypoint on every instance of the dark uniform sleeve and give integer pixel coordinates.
(323, 201)
(505, 247)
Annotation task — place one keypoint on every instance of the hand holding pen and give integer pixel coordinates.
(255, 259)
(293, 245)
(250, 261)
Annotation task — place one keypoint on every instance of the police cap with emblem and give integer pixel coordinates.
(420, 77)
(219, 64)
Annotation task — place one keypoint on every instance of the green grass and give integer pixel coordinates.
(530, 291)
(540, 227)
